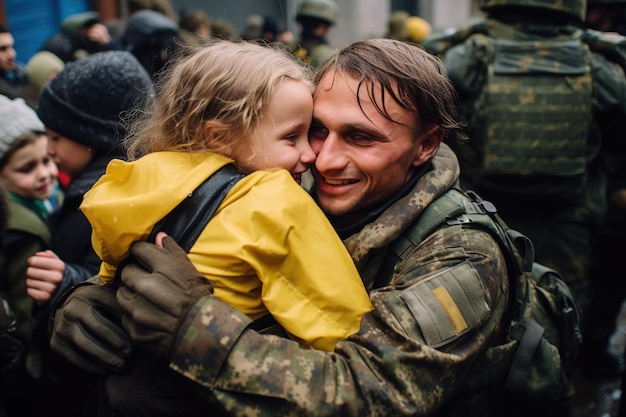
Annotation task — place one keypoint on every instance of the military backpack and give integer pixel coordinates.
(544, 317)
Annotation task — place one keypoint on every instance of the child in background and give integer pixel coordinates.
(268, 248)
(81, 108)
(29, 175)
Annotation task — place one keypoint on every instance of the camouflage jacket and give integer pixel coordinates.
(313, 50)
(400, 363)
(466, 65)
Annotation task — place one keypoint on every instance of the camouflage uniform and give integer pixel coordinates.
(313, 50)
(400, 363)
(312, 47)
(558, 213)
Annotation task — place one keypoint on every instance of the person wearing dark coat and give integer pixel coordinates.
(82, 109)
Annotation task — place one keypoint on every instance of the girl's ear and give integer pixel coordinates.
(217, 138)
(209, 132)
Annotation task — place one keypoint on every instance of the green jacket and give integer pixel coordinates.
(27, 233)
(403, 361)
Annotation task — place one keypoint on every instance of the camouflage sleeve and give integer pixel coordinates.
(610, 103)
(407, 359)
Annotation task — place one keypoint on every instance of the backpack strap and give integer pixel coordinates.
(187, 220)
(457, 207)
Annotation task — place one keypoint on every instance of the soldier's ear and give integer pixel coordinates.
(428, 144)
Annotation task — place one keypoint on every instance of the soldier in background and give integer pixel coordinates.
(606, 16)
(315, 18)
(407, 28)
(541, 108)
(608, 286)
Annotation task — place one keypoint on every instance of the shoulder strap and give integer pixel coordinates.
(187, 220)
(457, 207)
(610, 45)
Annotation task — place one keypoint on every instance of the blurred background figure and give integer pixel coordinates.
(254, 25)
(12, 350)
(117, 26)
(396, 25)
(40, 69)
(29, 176)
(315, 18)
(195, 26)
(223, 29)
(152, 38)
(13, 82)
(606, 15)
(404, 27)
(263, 29)
(82, 109)
(80, 35)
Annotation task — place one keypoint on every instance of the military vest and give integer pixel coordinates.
(533, 116)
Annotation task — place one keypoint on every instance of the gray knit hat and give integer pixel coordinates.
(17, 118)
(85, 100)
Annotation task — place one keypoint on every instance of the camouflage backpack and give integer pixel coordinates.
(544, 318)
(533, 115)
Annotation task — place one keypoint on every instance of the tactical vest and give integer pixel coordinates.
(544, 331)
(533, 116)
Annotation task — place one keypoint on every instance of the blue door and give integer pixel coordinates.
(32, 22)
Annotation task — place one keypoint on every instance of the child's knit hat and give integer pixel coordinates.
(86, 99)
(17, 118)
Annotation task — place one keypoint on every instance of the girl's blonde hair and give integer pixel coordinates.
(212, 97)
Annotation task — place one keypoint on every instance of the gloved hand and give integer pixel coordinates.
(157, 294)
(87, 331)
(11, 349)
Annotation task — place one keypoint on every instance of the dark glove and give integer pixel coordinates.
(11, 349)
(87, 331)
(157, 294)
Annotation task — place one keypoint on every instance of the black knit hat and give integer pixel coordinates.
(84, 101)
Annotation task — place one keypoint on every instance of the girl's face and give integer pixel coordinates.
(71, 157)
(281, 138)
(30, 172)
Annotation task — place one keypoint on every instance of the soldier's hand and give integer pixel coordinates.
(87, 331)
(158, 291)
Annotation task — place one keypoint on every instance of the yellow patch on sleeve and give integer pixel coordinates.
(451, 309)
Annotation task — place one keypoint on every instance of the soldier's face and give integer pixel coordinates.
(362, 157)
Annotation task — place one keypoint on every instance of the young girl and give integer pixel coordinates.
(29, 176)
(268, 248)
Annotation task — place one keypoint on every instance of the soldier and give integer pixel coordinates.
(315, 18)
(608, 287)
(606, 16)
(541, 106)
(382, 108)
(405, 27)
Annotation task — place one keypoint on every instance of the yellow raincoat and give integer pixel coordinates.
(268, 248)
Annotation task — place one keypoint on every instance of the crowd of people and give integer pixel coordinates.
(293, 298)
